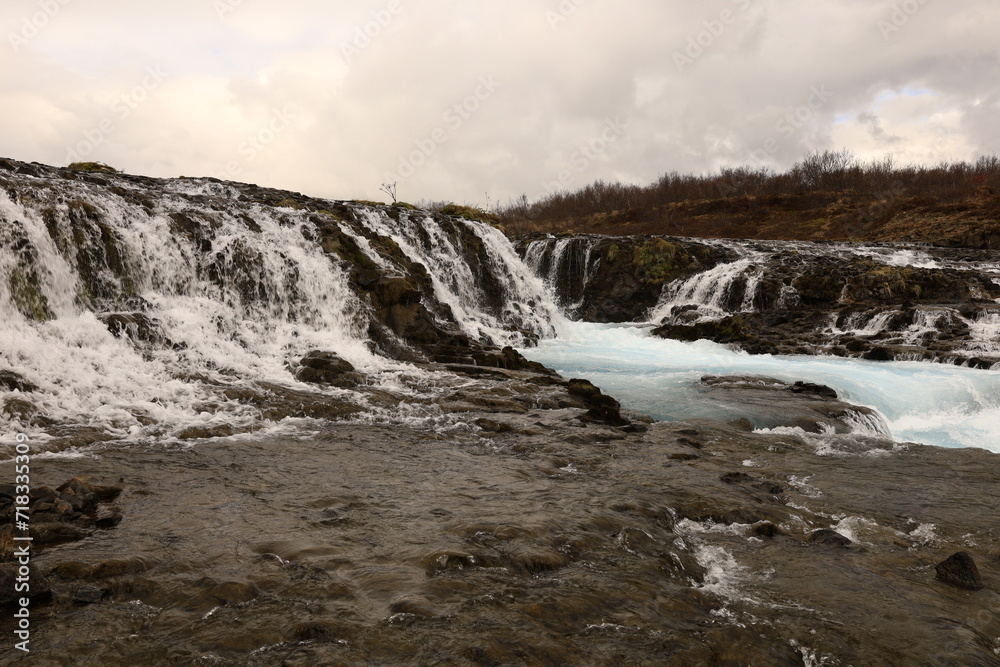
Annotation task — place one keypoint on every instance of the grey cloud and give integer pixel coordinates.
(755, 66)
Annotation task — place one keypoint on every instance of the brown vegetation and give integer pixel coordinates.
(827, 196)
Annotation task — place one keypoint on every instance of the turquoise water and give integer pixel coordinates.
(933, 404)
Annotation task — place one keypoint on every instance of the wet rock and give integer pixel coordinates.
(56, 533)
(90, 594)
(493, 426)
(960, 570)
(319, 367)
(137, 327)
(104, 491)
(14, 382)
(829, 537)
(742, 515)
(765, 529)
(735, 478)
(767, 403)
(730, 329)
(603, 409)
(815, 389)
(508, 358)
(107, 517)
(742, 424)
(22, 410)
(444, 561)
(206, 432)
(618, 279)
(40, 588)
(879, 354)
(413, 605)
(769, 487)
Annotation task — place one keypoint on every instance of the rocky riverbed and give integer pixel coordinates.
(529, 532)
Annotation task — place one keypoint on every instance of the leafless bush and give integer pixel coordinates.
(827, 172)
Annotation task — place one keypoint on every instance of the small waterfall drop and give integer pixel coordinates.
(725, 289)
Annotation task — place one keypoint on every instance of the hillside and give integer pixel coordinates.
(827, 197)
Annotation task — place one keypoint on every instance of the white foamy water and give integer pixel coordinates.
(237, 302)
(933, 404)
(711, 289)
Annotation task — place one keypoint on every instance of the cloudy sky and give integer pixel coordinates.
(477, 101)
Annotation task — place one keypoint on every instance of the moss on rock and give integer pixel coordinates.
(98, 167)
(657, 260)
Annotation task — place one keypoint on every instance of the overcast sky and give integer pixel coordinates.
(464, 100)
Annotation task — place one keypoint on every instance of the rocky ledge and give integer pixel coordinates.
(878, 302)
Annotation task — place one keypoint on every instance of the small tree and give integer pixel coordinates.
(389, 189)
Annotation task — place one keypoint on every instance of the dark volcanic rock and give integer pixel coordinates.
(810, 388)
(960, 570)
(617, 279)
(319, 367)
(830, 538)
(765, 403)
(138, 327)
(90, 594)
(603, 408)
(14, 382)
(731, 329)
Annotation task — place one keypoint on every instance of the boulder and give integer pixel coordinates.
(960, 570)
(830, 538)
(15, 382)
(320, 367)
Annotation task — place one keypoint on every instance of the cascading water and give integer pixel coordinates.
(204, 291)
(481, 280)
(725, 289)
(566, 265)
(129, 313)
(933, 404)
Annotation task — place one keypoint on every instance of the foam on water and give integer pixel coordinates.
(933, 404)
(235, 311)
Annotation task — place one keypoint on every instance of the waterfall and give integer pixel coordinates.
(126, 307)
(725, 289)
(566, 266)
